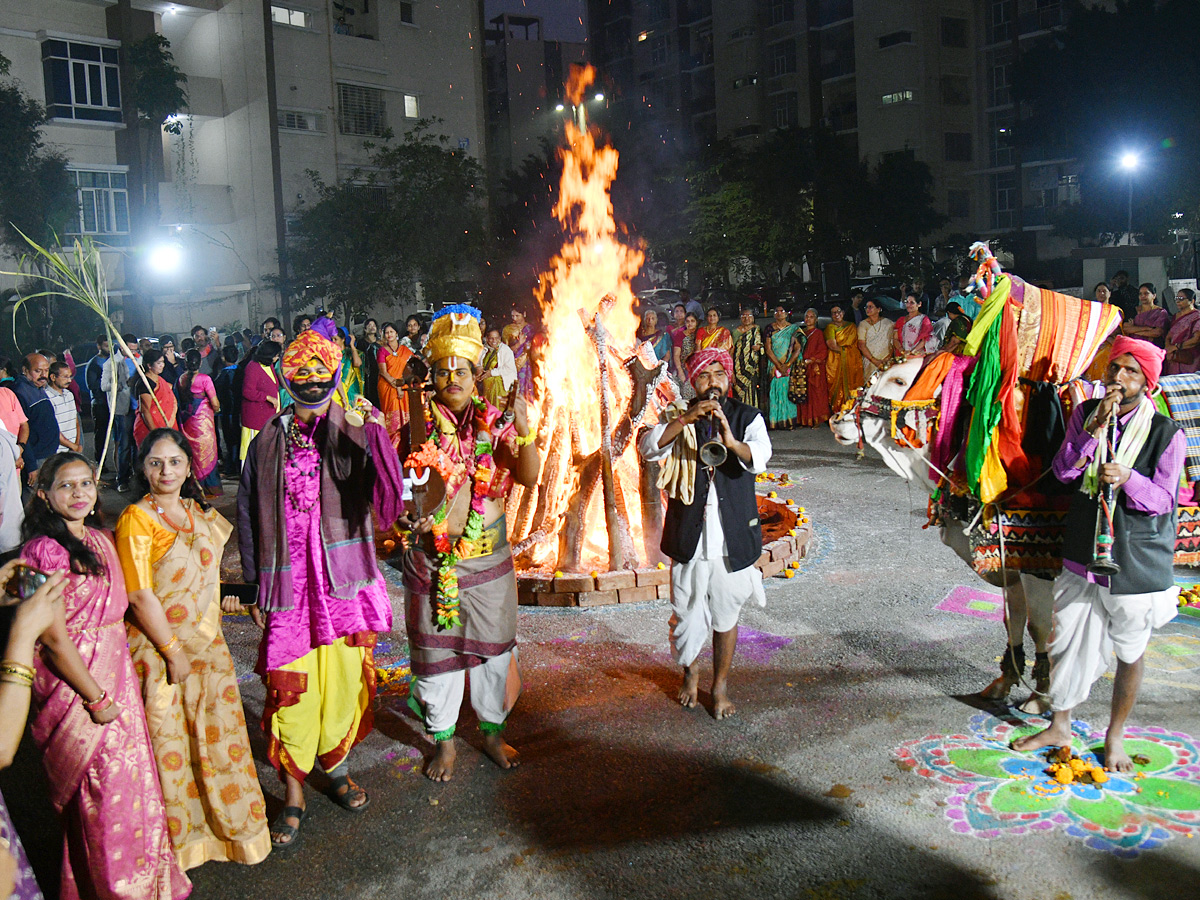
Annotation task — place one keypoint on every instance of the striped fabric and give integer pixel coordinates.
(1069, 333)
(1182, 393)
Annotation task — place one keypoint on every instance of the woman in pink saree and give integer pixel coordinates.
(198, 408)
(91, 725)
(913, 331)
(1183, 337)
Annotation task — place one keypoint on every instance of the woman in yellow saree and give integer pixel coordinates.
(844, 366)
(714, 336)
(170, 550)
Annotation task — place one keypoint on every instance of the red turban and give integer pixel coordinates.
(1149, 357)
(702, 359)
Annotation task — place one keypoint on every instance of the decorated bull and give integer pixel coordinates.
(979, 431)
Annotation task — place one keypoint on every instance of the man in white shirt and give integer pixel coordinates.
(65, 409)
(711, 532)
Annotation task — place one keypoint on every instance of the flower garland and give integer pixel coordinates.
(445, 458)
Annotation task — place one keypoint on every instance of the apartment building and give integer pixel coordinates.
(525, 78)
(926, 77)
(275, 90)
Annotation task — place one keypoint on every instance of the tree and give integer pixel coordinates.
(413, 214)
(902, 212)
(158, 94)
(37, 196)
(1114, 82)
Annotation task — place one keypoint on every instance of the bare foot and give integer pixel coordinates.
(1053, 736)
(998, 689)
(500, 752)
(723, 708)
(1115, 757)
(441, 766)
(689, 692)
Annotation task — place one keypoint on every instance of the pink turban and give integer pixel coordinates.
(702, 359)
(1149, 357)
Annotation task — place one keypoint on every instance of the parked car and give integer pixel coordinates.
(727, 302)
(661, 300)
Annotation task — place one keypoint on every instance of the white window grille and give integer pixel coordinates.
(361, 110)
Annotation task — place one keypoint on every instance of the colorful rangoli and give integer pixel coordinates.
(997, 791)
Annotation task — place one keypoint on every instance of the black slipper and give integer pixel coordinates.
(291, 832)
(343, 799)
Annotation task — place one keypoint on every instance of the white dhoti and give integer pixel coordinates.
(1090, 623)
(706, 597)
(494, 690)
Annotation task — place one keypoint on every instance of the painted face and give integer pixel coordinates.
(714, 318)
(1125, 371)
(454, 381)
(73, 493)
(166, 467)
(39, 371)
(312, 384)
(709, 378)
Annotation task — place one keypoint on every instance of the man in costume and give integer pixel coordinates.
(461, 603)
(306, 532)
(1095, 614)
(711, 531)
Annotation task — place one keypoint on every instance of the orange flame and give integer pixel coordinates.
(592, 264)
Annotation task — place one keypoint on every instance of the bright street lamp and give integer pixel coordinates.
(165, 259)
(1130, 162)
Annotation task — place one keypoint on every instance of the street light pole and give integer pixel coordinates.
(1130, 162)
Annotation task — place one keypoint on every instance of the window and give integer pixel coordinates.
(956, 90)
(1000, 130)
(285, 15)
(296, 120)
(658, 49)
(896, 37)
(781, 58)
(785, 110)
(958, 204)
(1004, 199)
(103, 203)
(954, 32)
(745, 81)
(836, 49)
(83, 81)
(361, 110)
(958, 146)
(412, 107)
(830, 11)
(1000, 26)
(782, 11)
(897, 97)
(1000, 85)
(406, 13)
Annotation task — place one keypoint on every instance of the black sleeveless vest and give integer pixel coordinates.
(1143, 544)
(735, 495)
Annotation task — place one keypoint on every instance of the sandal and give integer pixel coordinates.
(352, 790)
(291, 832)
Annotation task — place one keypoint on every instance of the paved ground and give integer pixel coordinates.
(622, 794)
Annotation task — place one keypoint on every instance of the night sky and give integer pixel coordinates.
(561, 18)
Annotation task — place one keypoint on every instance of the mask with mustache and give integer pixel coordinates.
(311, 393)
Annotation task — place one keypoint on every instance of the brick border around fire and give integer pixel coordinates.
(633, 586)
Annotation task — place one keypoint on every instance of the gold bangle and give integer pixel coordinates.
(16, 668)
(169, 647)
(526, 440)
(10, 678)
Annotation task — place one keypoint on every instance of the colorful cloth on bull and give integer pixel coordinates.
(1182, 394)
